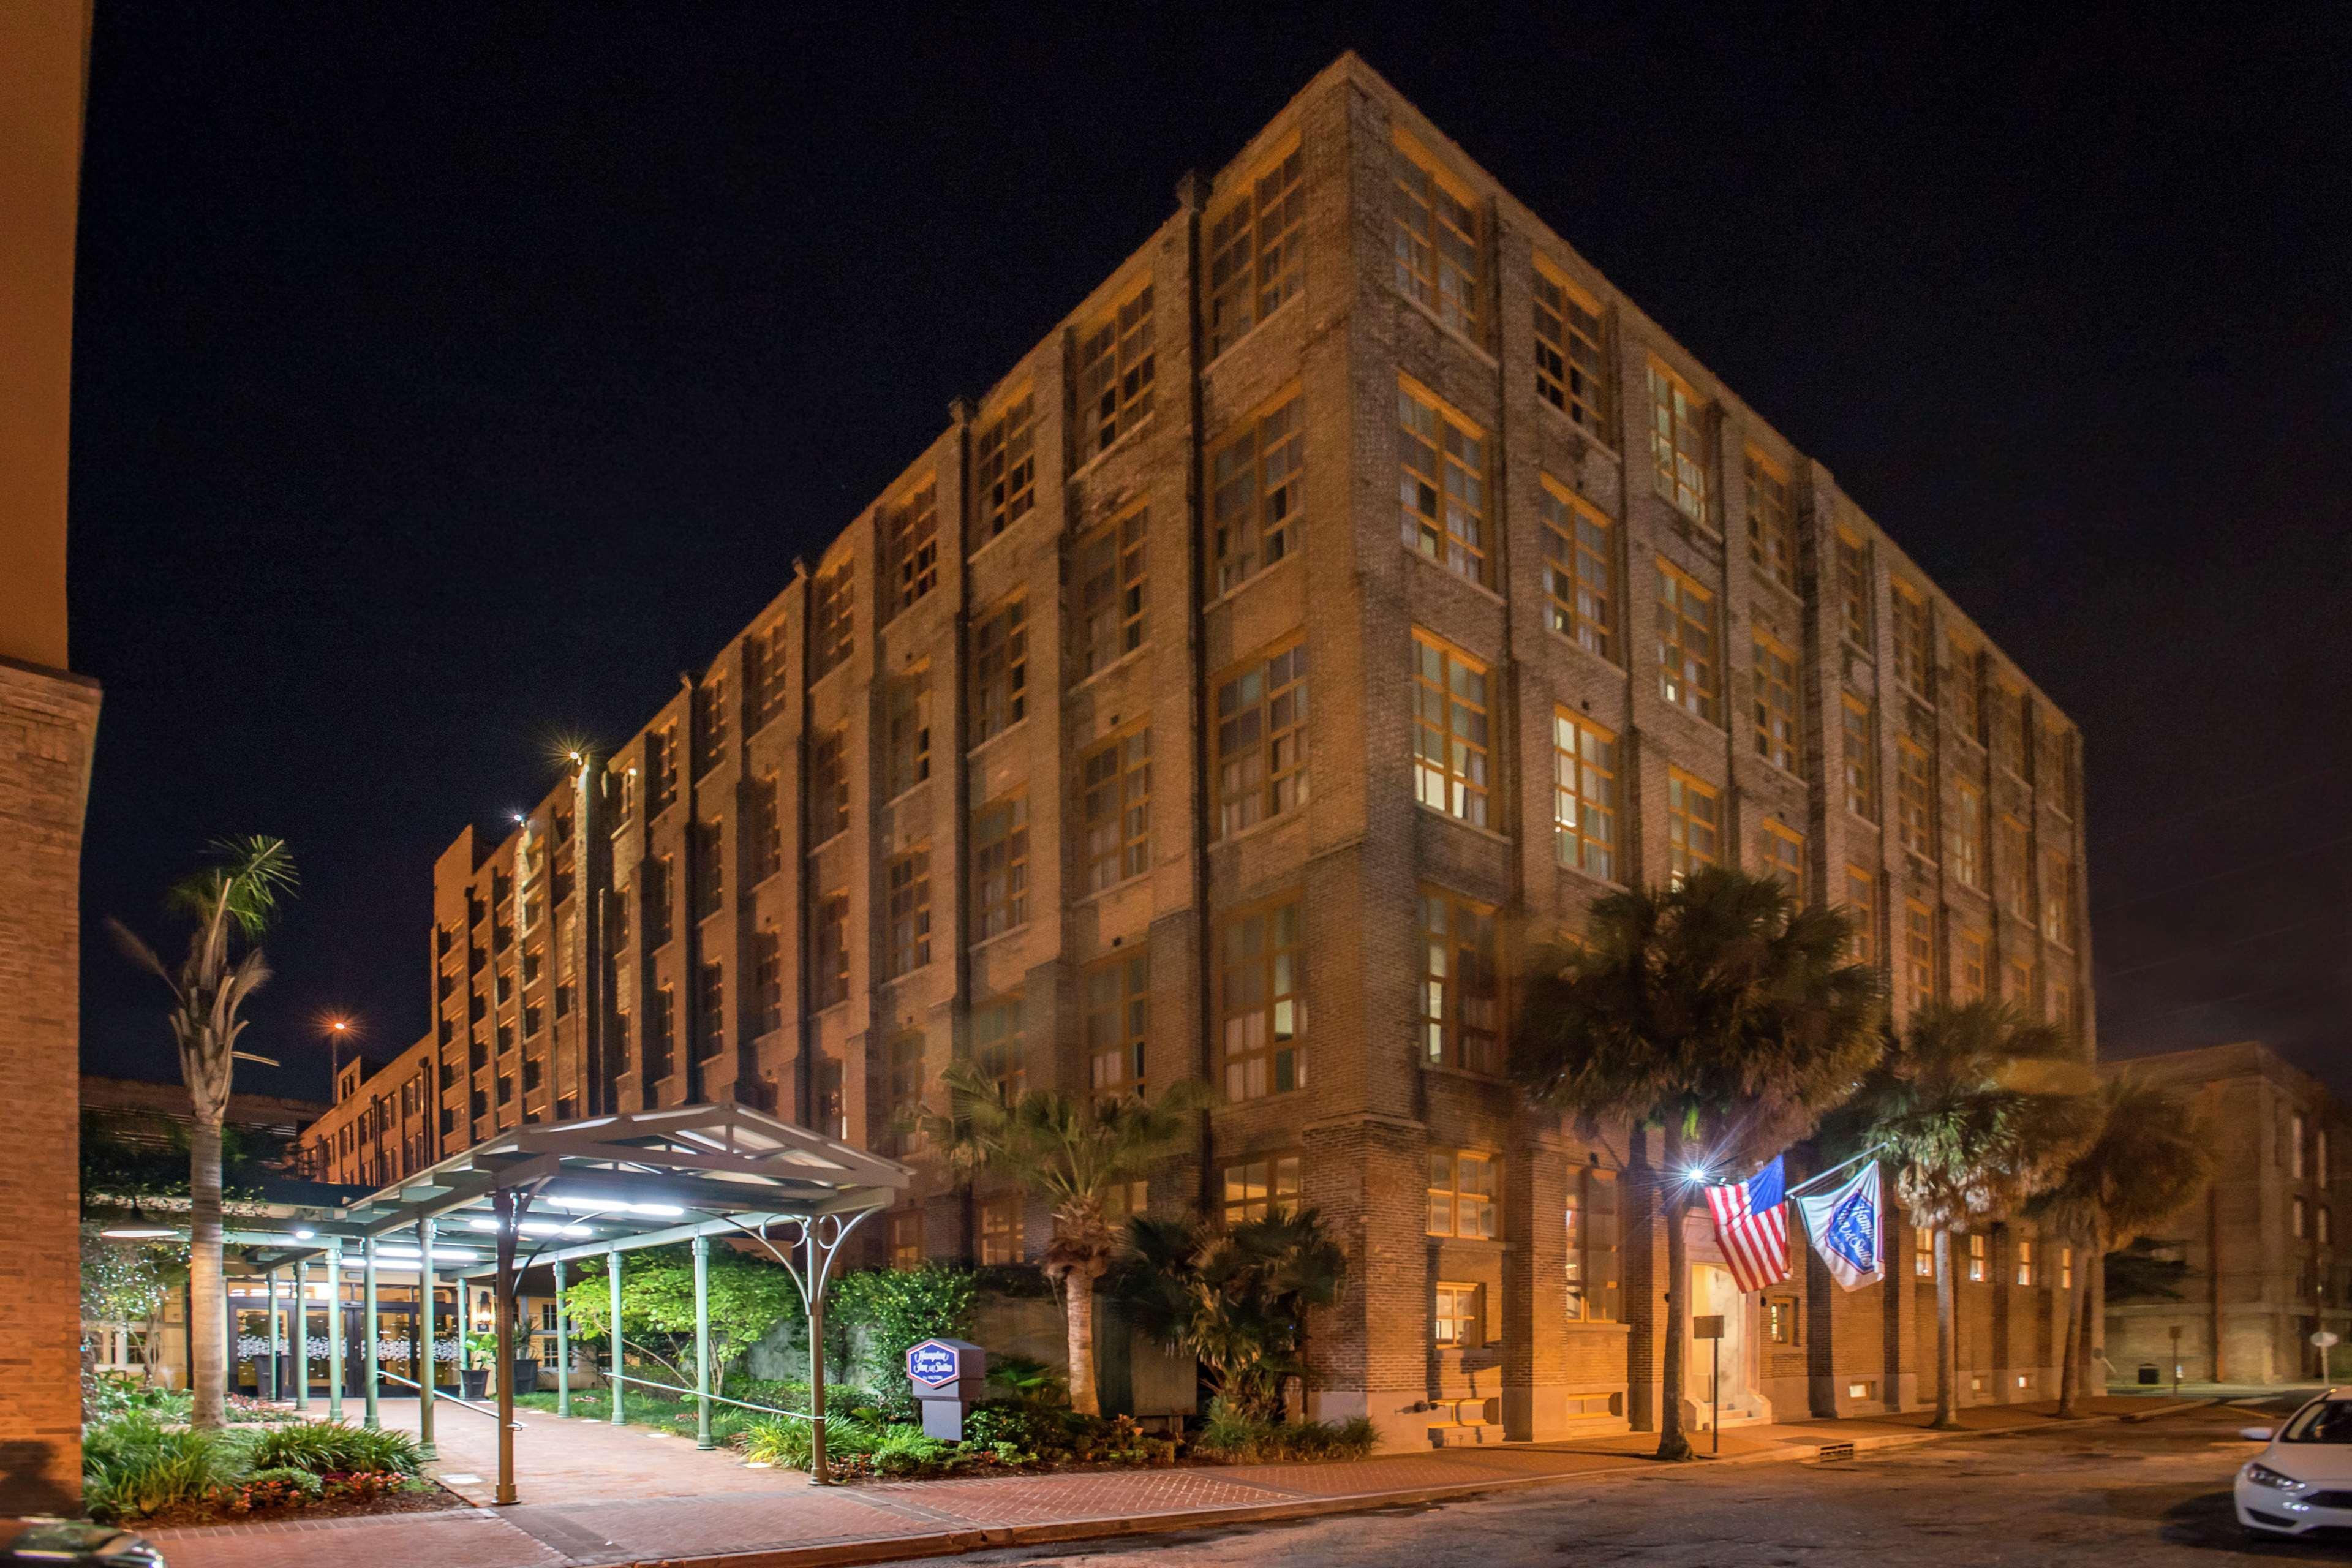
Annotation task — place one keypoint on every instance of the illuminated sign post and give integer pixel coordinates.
(947, 1376)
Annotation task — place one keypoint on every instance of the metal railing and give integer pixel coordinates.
(438, 1396)
(717, 1398)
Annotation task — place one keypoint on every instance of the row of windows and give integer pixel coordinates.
(1978, 1261)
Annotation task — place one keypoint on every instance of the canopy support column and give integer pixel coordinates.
(502, 1307)
(563, 1346)
(335, 1330)
(269, 1390)
(613, 1274)
(300, 1312)
(426, 1358)
(368, 1327)
(702, 1342)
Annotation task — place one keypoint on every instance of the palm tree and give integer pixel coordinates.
(1979, 1109)
(1077, 1152)
(2151, 1156)
(1236, 1297)
(1720, 1012)
(230, 902)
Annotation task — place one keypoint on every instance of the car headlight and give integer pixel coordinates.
(2263, 1476)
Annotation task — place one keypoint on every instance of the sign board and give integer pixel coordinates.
(2324, 1340)
(934, 1363)
(1708, 1328)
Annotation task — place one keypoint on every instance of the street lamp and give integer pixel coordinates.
(338, 1029)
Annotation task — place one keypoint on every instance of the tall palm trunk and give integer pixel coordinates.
(207, 1289)
(1079, 1301)
(2078, 1334)
(1672, 1443)
(1948, 1345)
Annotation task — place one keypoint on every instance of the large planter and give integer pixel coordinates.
(474, 1382)
(525, 1375)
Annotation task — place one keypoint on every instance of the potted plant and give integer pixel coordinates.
(474, 1378)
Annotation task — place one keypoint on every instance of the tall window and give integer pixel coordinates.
(1693, 826)
(1592, 1245)
(1435, 238)
(707, 842)
(1853, 588)
(2065, 1268)
(1256, 251)
(908, 733)
(661, 1015)
(1261, 722)
(1923, 1252)
(1443, 486)
(1115, 781)
(1111, 568)
(829, 951)
(829, 785)
(1449, 731)
(2020, 986)
(1678, 445)
(1688, 670)
(999, 1231)
(997, 1048)
(661, 770)
(1968, 836)
(1119, 1017)
(1114, 374)
(2008, 727)
(912, 530)
(2058, 898)
(1000, 671)
(1256, 1188)
(2062, 1003)
(766, 822)
(1977, 1260)
(1000, 866)
(1570, 374)
(903, 1083)
(1776, 703)
(766, 668)
(1915, 797)
(1960, 687)
(1772, 520)
(1914, 655)
(1579, 569)
(2014, 870)
(1781, 849)
(710, 711)
(768, 978)
(1257, 486)
(907, 883)
(907, 1241)
(834, 615)
(1584, 794)
(1462, 1195)
(1969, 984)
(2054, 770)
(1461, 985)
(1862, 904)
(1860, 753)
(1919, 951)
(659, 925)
(709, 1014)
(1004, 468)
(1261, 1001)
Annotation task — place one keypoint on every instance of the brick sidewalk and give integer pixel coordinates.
(596, 1494)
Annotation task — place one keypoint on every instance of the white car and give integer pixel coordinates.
(2302, 1480)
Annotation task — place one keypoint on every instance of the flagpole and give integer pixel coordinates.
(1833, 1170)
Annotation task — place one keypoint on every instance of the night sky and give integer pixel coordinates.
(445, 381)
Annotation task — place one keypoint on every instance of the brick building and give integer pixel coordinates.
(1023, 768)
(2260, 1268)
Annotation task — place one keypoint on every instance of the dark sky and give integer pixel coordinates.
(445, 380)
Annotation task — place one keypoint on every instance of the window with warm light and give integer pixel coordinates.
(1261, 757)
(2013, 868)
(1678, 436)
(1261, 1000)
(1000, 669)
(1000, 866)
(1688, 669)
(1919, 951)
(767, 685)
(2058, 897)
(1915, 797)
(1462, 1187)
(1112, 571)
(1772, 520)
(999, 1231)
(1579, 569)
(1592, 1245)
(1256, 249)
(907, 1241)
(1978, 1263)
(1776, 703)
(1862, 904)
(1455, 1320)
(1434, 236)
(1853, 588)
(1004, 469)
(1115, 368)
(1693, 826)
(2024, 1261)
(1584, 794)
(1923, 1252)
(908, 884)
(907, 734)
(1968, 836)
(1443, 485)
(2065, 1268)
(1257, 490)
(1860, 755)
(1119, 1017)
(1569, 364)
(1256, 1188)
(1969, 985)
(910, 529)
(1450, 739)
(1115, 808)
(1781, 851)
(1461, 985)
(833, 615)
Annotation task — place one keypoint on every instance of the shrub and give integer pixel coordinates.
(900, 1309)
(1236, 1437)
(323, 1448)
(280, 1486)
(133, 1464)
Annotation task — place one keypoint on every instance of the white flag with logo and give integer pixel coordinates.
(1848, 1229)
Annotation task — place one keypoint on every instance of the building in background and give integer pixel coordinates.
(155, 1115)
(49, 723)
(1352, 589)
(2232, 1288)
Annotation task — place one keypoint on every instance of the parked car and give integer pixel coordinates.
(55, 1540)
(2302, 1480)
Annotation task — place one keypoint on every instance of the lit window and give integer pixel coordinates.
(907, 1240)
(2013, 868)
(1913, 652)
(1261, 998)
(1772, 520)
(833, 615)
(1578, 569)
(1000, 671)
(1782, 851)
(1436, 235)
(1004, 469)
(1968, 986)
(2058, 898)
(912, 532)
(1461, 987)
(1258, 1187)
(1261, 719)
(1257, 486)
(908, 882)
(1923, 1253)
(829, 960)
(2024, 1261)
(1000, 866)
(1111, 568)
(1693, 826)
(1568, 362)
(1862, 904)
(1119, 1015)
(1449, 731)
(1915, 801)
(1115, 364)
(2294, 1147)
(908, 734)
(661, 768)
(1976, 1257)
(1584, 794)
(1687, 667)
(999, 1231)
(1462, 1195)
(1124, 1200)
(1776, 703)
(1255, 250)
(1678, 445)
(1443, 485)
(1592, 1277)
(710, 729)
(1115, 803)
(1780, 1320)
(1968, 836)
(1457, 1317)
(1861, 753)
(1919, 951)
(765, 671)
(998, 1050)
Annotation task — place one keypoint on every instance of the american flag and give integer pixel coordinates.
(1751, 1224)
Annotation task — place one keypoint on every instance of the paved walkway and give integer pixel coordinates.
(595, 1494)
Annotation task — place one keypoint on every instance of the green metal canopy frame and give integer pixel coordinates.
(606, 1184)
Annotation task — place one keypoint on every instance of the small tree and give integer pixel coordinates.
(1720, 1012)
(1235, 1297)
(1980, 1108)
(748, 1298)
(232, 902)
(1075, 1151)
(130, 1282)
(2152, 1155)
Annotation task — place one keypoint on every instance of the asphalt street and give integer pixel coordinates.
(2142, 1496)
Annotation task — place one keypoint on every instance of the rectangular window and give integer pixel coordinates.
(833, 615)
(2014, 867)
(1261, 1001)
(767, 828)
(1776, 703)
(2008, 728)
(1256, 251)
(1256, 1188)
(1000, 866)
(2061, 1003)
(1688, 672)
(1257, 486)
(1968, 836)
(1976, 1257)
(661, 768)
(1960, 687)
(1584, 794)
(2058, 898)
(2024, 1261)
(1772, 520)
(1919, 951)
(1914, 655)
(1923, 1253)
(661, 1012)
(1455, 1320)
(1004, 469)
(710, 719)
(911, 532)
(1970, 983)
(1119, 1017)
(1261, 722)
(1443, 485)
(1110, 569)
(1580, 570)
(767, 976)
(829, 952)
(1853, 588)
(1915, 797)
(1592, 1251)
(2019, 992)
(765, 686)
(1000, 671)
(2065, 1268)
(907, 1241)
(1450, 739)
(1435, 240)
(2054, 771)
(1780, 1320)
(1861, 753)
(1861, 903)
(997, 1048)
(909, 884)
(1781, 851)
(903, 1084)
(707, 843)
(1678, 445)
(829, 785)
(908, 734)
(1115, 784)
(999, 1231)
(1693, 826)
(710, 1012)
(1115, 375)
(657, 879)
(1462, 1187)
(1461, 985)
(1568, 362)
